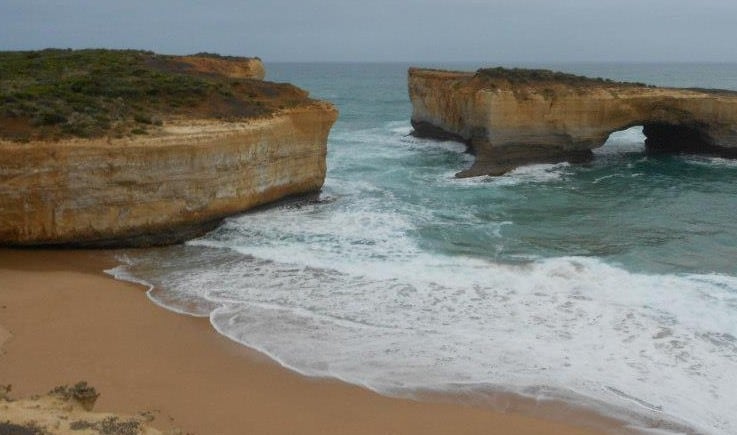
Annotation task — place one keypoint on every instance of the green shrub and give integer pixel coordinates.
(528, 76)
(92, 93)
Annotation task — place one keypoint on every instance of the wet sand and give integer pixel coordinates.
(62, 320)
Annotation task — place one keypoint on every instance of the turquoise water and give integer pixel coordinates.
(611, 284)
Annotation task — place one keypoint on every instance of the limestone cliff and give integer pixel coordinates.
(231, 67)
(133, 148)
(514, 117)
(161, 188)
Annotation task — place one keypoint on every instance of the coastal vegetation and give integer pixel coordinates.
(520, 76)
(57, 94)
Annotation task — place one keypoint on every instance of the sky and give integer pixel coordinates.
(501, 31)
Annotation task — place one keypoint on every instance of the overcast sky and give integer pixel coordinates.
(502, 31)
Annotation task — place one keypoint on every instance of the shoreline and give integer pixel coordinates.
(69, 321)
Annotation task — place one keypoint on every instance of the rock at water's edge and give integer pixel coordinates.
(110, 148)
(510, 118)
(162, 189)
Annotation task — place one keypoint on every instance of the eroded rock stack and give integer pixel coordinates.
(515, 117)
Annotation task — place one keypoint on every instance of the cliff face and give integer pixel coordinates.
(166, 187)
(235, 68)
(133, 148)
(514, 117)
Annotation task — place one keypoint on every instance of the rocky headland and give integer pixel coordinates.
(512, 117)
(128, 148)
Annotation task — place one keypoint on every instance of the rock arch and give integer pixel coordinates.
(514, 117)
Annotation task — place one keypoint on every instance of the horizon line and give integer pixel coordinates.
(413, 61)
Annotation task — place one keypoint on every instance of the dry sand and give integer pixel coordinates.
(63, 321)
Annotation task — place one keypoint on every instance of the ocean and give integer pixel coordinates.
(610, 285)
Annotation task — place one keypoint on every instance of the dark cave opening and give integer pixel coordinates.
(681, 138)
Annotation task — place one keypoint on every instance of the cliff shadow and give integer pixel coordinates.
(656, 137)
(688, 138)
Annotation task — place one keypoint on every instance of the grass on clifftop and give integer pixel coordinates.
(531, 76)
(56, 94)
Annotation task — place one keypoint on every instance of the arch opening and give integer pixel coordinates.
(624, 141)
(678, 138)
(663, 138)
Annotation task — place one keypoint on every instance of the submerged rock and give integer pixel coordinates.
(514, 117)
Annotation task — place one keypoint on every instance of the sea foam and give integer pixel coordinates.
(351, 289)
(659, 346)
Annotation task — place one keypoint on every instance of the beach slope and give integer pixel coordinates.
(65, 321)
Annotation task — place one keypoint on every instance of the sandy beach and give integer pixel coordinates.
(62, 320)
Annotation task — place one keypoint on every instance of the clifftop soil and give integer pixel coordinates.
(59, 94)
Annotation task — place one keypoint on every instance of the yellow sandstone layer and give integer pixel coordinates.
(512, 118)
(163, 188)
(234, 68)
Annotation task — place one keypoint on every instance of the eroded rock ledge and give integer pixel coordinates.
(128, 148)
(510, 118)
(162, 188)
(228, 66)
